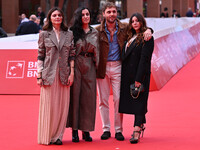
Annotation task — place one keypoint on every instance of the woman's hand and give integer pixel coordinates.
(39, 82)
(147, 35)
(71, 76)
(39, 79)
(70, 79)
(137, 84)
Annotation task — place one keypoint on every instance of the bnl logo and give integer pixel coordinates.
(15, 69)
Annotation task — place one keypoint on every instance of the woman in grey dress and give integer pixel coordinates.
(82, 110)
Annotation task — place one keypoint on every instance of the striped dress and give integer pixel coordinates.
(53, 111)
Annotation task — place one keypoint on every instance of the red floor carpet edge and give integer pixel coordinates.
(172, 121)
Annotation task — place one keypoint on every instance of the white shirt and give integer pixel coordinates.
(129, 42)
(24, 20)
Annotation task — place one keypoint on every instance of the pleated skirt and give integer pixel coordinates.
(53, 111)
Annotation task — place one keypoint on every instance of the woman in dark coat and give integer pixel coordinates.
(136, 68)
(83, 92)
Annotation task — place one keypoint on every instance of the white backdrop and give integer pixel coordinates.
(161, 27)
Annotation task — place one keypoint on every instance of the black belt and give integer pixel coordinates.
(86, 54)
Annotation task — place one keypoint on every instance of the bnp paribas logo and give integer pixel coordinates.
(15, 69)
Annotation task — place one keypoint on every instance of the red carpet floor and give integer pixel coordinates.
(173, 121)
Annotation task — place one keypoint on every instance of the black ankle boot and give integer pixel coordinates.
(75, 137)
(86, 136)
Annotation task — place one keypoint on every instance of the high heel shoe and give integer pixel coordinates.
(135, 140)
(86, 136)
(75, 137)
(142, 129)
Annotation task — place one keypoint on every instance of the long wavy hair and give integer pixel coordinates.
(76, 27)
(143, 28)
(48, 25)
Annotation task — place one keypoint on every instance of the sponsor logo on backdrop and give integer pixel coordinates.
(32, 69)
(16, 69)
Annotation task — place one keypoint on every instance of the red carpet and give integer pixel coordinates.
(172, 121)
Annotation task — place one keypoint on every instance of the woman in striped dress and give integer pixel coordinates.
(56, 55)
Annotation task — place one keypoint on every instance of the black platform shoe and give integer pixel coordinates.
(75, 137)
(135, 139)
(86, 136)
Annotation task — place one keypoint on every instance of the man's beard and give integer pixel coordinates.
(111, 20)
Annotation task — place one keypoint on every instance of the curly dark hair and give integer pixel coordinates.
(48, 25)
(76, 27)
(143, 28)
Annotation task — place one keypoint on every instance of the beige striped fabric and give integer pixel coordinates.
(53, 111)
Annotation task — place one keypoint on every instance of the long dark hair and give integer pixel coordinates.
(143, 28)
(76, 27)
(48, 25)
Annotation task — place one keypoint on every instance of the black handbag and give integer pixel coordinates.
(135, 91)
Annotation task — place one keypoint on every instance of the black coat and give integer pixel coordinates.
(29, 27)
(2, 33)
(136, 66)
